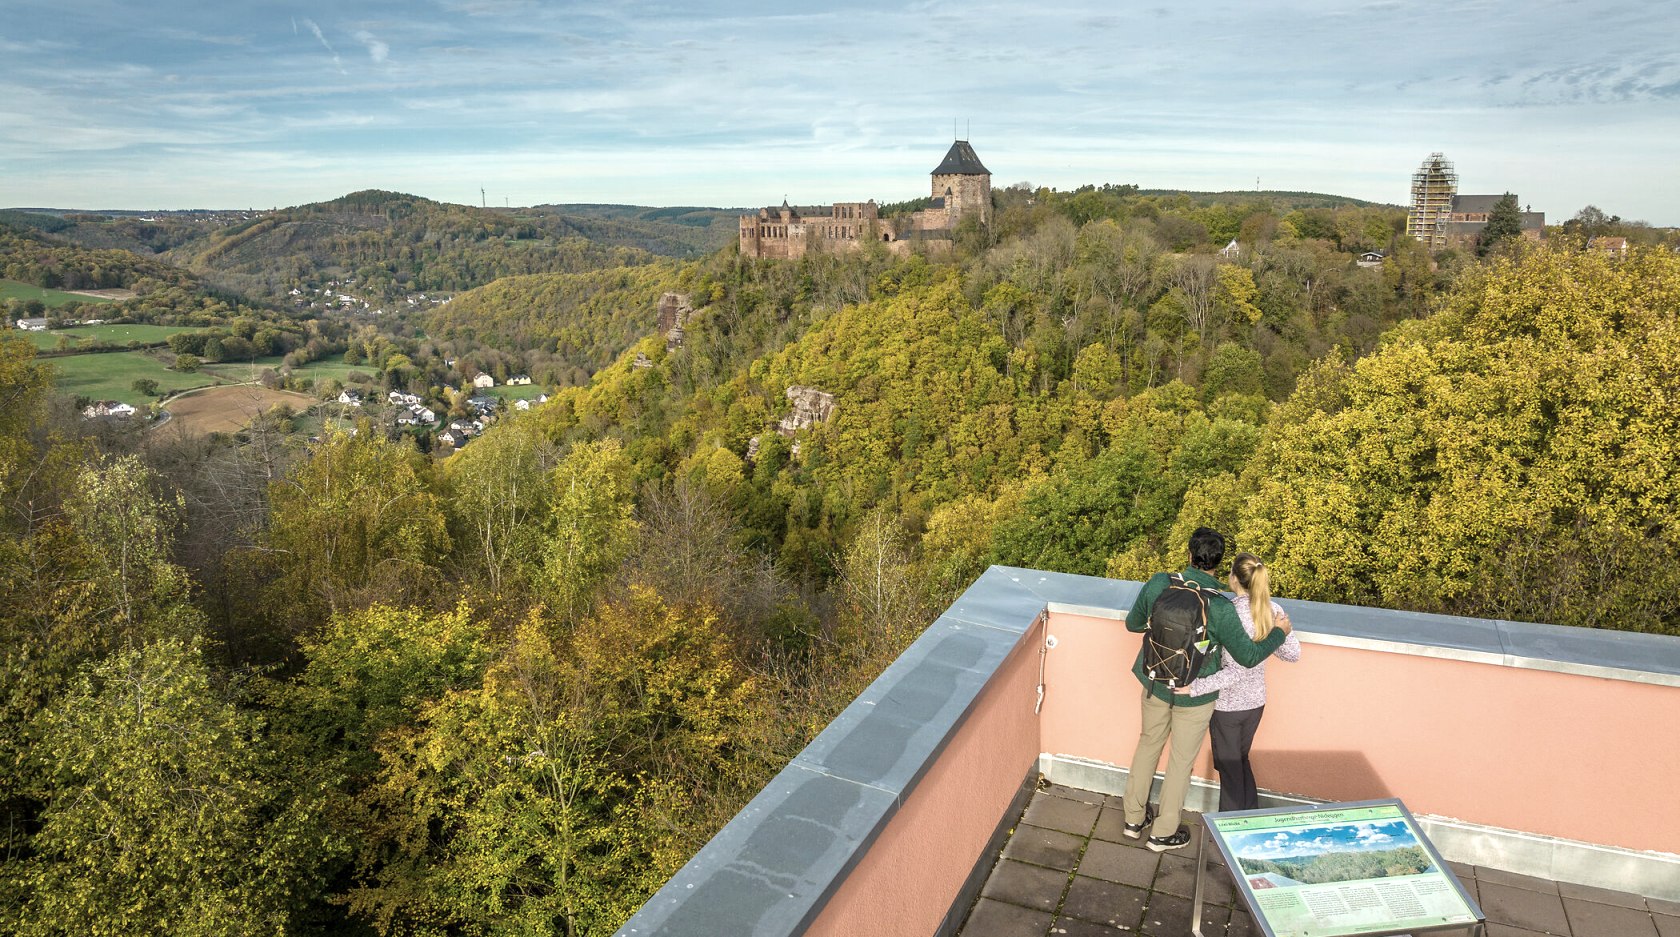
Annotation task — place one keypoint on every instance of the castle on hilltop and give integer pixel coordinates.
(962, 188)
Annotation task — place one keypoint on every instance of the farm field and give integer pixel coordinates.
(52, 299)
(109, 376)
(43, 341)
(317, 371)
(518, 391)
(226, 409)
(123, 334)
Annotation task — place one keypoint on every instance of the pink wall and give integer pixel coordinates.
(1583, 758)
(909, 877)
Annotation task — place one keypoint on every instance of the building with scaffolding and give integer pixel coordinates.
(1433, 187)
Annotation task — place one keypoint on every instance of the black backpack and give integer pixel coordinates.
(1177, 642)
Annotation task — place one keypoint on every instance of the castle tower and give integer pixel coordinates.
(964, 184)
(1433, 187)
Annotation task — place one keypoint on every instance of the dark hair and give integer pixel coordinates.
(1207, 548)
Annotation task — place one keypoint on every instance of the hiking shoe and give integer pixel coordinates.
(1133, 831)
(1175, 841)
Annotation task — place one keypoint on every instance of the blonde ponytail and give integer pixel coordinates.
(1256, 580)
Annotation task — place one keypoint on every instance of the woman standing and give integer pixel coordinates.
(1242, 690)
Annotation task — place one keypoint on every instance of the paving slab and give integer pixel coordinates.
(1522, 907)
(1074, 927)
(1060, 813)
(1601, 895)
(1027, 885)
(1166, 916)
(1108, 903)
(1668, 925)
(998, 919)
(1052, 849)
(1113, 862)
(1501, 877)
(1592, 919)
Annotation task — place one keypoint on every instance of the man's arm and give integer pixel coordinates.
(1228, 632)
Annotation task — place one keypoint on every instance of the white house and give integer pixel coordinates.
(522, 404)
(484, 380)
(32, 325)
(108, 408)
(1231, 251)
(425, 414)
(450, 437)
(401, 399)
(1370, 259)
(351, 398)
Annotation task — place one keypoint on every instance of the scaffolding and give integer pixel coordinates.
(1433, 187)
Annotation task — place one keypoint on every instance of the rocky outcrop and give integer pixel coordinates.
(674, 310)
(811, 405)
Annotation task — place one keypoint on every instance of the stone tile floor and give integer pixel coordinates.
(1066, 871)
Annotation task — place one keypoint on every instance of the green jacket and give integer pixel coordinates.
(1224, 628)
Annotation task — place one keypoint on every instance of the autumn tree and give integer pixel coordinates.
(164, 812)
(1510, 457)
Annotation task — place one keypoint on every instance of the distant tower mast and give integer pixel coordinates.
(482, 201)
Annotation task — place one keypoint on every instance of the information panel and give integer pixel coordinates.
(1340, 869)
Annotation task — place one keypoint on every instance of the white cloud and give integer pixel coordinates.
(378, 51)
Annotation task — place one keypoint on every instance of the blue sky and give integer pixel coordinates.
(174, 104)
(1314, 840)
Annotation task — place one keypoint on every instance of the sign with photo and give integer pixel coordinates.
(1340, 870)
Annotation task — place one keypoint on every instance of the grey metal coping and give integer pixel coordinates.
(771, 869)
(1614, 655)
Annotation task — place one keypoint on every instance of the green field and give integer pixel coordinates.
(317, 371)
(43, 341)
(109, 376)
(52, 299)
(123, 334)
(518, 392)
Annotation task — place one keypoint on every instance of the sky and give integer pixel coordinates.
(173, 104)
(1316, 840)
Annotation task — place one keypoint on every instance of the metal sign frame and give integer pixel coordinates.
(1466, 914)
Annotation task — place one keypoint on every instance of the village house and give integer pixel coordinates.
(108, 408)
(519, 379)
(32, 325)
(1614, 247)
(453, 439)
(351, 398)
(398, 398)
(1370, 259)
(484, 380)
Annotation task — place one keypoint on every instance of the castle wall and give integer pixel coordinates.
(785, 234)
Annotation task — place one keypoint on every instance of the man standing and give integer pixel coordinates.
(1183, 719)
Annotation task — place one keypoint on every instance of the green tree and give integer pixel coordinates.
(1512, 456)
(589, 528)
(145, 386)
(355, 523)
(164, 813)
(186, 364)
(1504, 224)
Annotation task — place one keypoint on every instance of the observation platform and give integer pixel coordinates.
(1066, 871)
(1539, 760)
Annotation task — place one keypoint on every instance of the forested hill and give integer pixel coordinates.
(392, 245)
(581, 320)
(39, 255)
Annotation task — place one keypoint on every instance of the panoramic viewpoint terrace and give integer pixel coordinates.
(973, 788)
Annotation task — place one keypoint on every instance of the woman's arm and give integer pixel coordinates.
(1290, 649)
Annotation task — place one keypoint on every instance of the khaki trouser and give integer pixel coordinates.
(1187, 726)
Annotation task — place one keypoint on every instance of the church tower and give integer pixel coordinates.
(963, 185)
